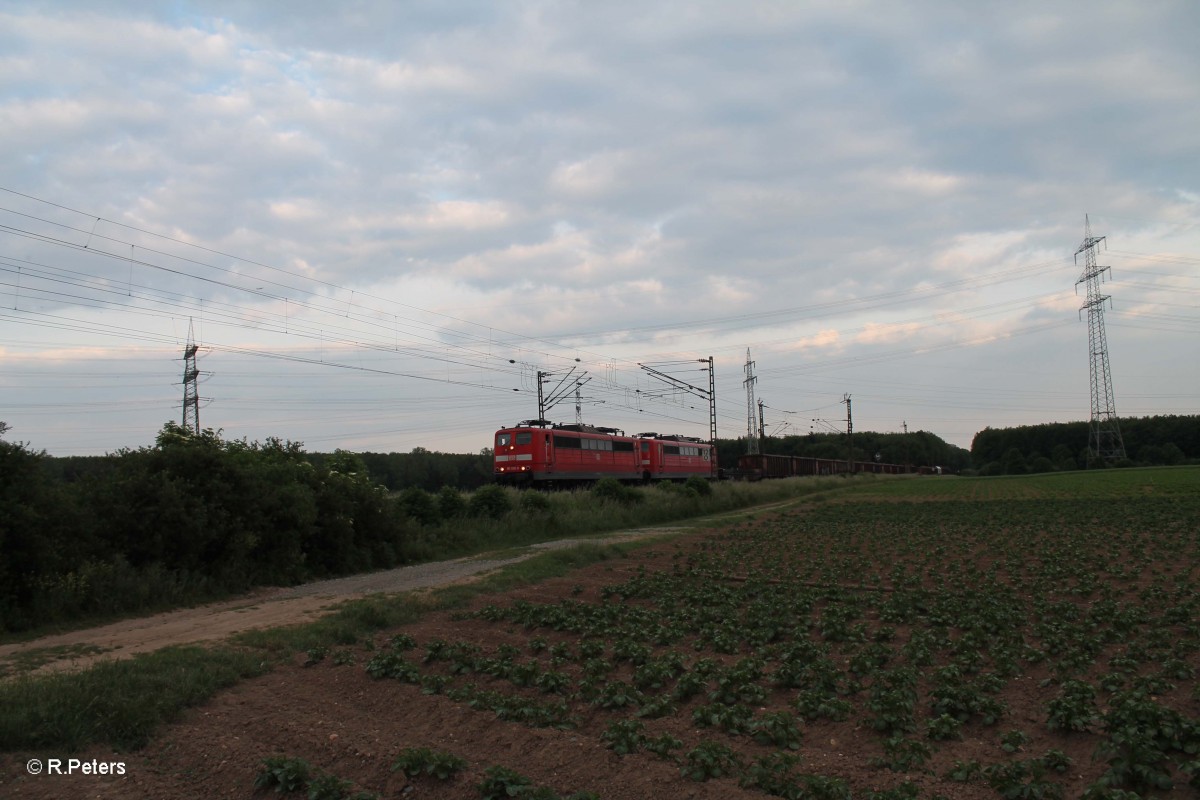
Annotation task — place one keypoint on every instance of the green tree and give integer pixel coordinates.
(1014, 462)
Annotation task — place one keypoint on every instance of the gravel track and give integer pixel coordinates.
(264, 608)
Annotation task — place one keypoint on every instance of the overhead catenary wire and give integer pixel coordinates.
(367, 330)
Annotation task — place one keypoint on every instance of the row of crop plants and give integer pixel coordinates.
(922, 623)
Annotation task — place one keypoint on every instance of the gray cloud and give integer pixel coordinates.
(555, 169)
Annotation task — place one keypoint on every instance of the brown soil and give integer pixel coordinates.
(343, 722)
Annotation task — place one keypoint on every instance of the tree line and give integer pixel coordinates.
(918, 448)
(1149, 441)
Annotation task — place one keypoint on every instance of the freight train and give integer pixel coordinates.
(757, 466)
(540, 453)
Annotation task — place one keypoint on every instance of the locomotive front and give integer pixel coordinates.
(514, 458)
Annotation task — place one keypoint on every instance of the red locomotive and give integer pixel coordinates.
(543, 454)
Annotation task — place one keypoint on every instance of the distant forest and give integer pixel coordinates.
(919, 448)
(1149, 441)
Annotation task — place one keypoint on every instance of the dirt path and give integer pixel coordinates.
(264, 608)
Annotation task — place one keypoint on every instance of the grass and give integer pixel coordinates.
(1079, 485)
(120, 703)
(30, 660)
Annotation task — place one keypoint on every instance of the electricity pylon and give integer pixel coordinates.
(751, 419)
(1104, 435)
(191, 375)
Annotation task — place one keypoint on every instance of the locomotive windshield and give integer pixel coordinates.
(502, 439)
(524, 438)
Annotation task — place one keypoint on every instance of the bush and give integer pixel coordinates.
(612, 490)
(534, 502)
(450, 503)
(420, 505)
(699, 485)
(194, 516)
(489, 502)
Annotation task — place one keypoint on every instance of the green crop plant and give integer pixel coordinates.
(892, 701)
(689, 685)
(401, 642)
(777, 728)
(734, 719)
(739, 683)
(905, 791)
(283, 774)
(434, 684)
(423, 761)
(964, 771)
(390, 664)
(1013, 741)
(902, 755)
(502, 783)
(1074, 709)
(822, 703)
(658, 707)
(1022, 780)
(326, 786)
(552, 682)
(943, 728)
(662, 745)
(774, 773)
(623, 736)
(618, 694)
(711, 760)
(1056, 761)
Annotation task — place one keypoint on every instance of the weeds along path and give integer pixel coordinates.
(265, 608)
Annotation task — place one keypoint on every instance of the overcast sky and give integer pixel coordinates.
(383, 220)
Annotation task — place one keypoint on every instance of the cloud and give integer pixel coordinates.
(888, 333)
(809, 179)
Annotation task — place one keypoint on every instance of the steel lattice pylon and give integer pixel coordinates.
(191, 399)
(1104, 436)
(751, 419)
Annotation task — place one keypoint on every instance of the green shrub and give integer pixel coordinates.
(614, 491)
(534, 502)
(450, 503)
(489, 502)
(699, 485)
(419, 505)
